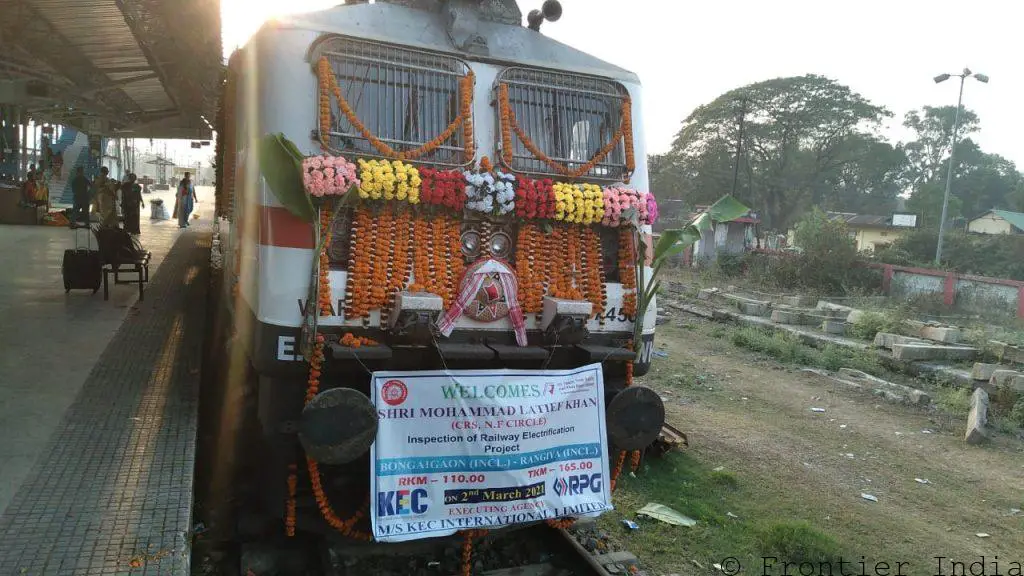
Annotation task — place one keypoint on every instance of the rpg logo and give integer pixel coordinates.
(577, 484)
(402, 502)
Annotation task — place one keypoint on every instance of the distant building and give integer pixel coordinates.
(997, 222)
(734, 237)
(869, 231)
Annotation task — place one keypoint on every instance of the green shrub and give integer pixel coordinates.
(1017, 414)
(871, 323)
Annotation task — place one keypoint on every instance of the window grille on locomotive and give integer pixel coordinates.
(403, 97)
(568, 117)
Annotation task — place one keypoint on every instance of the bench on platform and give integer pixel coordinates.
(122, 254)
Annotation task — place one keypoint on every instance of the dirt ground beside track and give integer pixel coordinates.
(752, 416)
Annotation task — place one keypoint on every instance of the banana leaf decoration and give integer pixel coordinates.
(672, 243)
(281, 165)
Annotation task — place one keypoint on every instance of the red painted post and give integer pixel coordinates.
(887, 278)
(950, 289)
(1020, 301)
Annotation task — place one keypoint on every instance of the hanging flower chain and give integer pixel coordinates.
(509, 125)
(329, 85)
(490, 193)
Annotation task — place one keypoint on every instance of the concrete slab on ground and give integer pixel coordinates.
(946, 334)
(983, 372)
(887, 340)
(914, 352)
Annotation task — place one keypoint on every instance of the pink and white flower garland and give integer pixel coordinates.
(617, 203)
(328, 175)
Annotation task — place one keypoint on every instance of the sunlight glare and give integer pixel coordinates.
(242, 18)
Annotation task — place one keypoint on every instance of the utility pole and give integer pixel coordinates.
(952, 150)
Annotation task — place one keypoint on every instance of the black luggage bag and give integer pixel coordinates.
(82, 268)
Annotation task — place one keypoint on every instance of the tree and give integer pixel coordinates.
(927, 154)
(981, 181)
(798, 133)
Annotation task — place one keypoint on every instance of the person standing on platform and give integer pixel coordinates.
(131, 203)
(80, 193)
(186, 200)
(106, 199)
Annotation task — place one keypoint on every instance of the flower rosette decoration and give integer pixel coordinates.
(327, 175)
(443, 188)
(623, 206)
(651, 214)
(389, 180)
(490, 192)
(535, 198)
(578, 203)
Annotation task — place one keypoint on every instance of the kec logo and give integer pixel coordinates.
(577, 484)
(394, 392)
(402, 502)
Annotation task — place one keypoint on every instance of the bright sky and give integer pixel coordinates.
(689, 53)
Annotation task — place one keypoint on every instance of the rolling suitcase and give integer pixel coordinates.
(82, 268)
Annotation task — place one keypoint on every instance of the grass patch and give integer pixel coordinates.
(954, 401)
(871, 323)
(683, 483)
(788, 349)
(796, 541)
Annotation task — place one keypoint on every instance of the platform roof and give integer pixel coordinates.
(136, 68)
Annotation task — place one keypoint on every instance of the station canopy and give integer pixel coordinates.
(131, 68)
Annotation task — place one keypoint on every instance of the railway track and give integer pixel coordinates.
(537, 550)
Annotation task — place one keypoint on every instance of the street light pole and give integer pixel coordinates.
(952, 151)
(949, 174)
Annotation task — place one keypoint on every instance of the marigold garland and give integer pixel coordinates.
(350, 340)
(561, 523)
(627, 271)
(457, 264)
(357, 292)
(400, 263)
(530, 278)
(618, 469)
(324, 303)
(510, 125)
(289, 518)
(329, 85)
(593, 272)
(439, 261)
(467, 549)
(420, 255)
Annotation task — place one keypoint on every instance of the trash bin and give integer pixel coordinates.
(157, 210)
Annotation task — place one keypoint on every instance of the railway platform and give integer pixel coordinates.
(98, 407)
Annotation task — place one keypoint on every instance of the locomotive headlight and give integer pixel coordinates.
(500, 245)
(471, 243)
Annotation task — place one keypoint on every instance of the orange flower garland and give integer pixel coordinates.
(289, 518)
(350, 340)
(420, 255)
(329, 85)
(357, 294)
(531, 283)
(467, 549)
(381, 245)
(561, 523)
(636, 460)
(439, 260)
(618, 469)
(592, 268)
(627, 271)
(313, 387)
(509, 125)
(457, 265)
(398, 275)
(325, 303)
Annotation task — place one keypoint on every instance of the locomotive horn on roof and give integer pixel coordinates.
(551, 11)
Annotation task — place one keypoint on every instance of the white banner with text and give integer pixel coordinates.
(471, 449)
